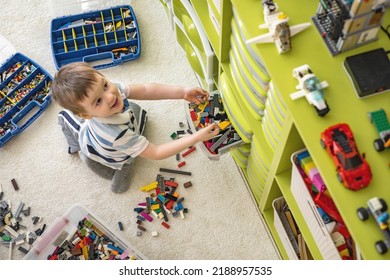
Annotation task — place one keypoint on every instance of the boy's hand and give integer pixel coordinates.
(208, 132)
(196, 95)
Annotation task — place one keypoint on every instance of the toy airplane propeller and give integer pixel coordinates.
(279, 30)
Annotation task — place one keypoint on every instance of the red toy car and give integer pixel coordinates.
(352, 169)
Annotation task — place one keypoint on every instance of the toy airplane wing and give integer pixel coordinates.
(264, 38)
(324, 84)
(297, 94)
(295, 29)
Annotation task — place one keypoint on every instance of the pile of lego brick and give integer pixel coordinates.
(14, 230)
(163, 201)
(212, 111)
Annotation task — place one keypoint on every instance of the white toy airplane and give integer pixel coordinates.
(279, 30)
(310, 87)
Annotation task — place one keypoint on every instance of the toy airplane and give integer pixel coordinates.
(310, 87)
(279, 30)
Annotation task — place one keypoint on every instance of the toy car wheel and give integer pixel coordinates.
(384, 204)
(381, 247)
(362, 213)
(379, 145)
(339, 178)
(322, 144)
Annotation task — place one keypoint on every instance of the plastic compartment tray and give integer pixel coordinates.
(24, 95)
(102, 38)
(64, 229)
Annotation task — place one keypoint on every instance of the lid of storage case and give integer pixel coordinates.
(60, 8)
(6, 49)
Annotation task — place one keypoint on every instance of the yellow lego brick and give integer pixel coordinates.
(155, 207)
(224, 124)
(149, 187)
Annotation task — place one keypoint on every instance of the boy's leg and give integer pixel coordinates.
(70, 125)
(98, 168)
(121, 180)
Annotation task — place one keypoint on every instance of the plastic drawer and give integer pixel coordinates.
(234, 111)
(24, 95)
(284, 231)
(193, 58)
(193, 124)
(312, 217)
(102, 38)
(189, 22)
(63, 230)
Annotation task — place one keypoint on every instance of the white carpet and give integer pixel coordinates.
(222, 222)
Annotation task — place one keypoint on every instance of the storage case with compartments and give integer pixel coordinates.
(102, 38)
(79, 234)
(24, 91)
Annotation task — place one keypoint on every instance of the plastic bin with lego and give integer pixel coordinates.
(76, 229)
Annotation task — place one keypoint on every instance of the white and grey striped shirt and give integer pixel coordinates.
(115, 140)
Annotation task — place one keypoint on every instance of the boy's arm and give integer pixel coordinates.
(163, 151)
(154, 91)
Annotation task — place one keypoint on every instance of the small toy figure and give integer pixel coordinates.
(379, 119)
(377, 207)
(310, 87)
(279, 30)
(352, 168)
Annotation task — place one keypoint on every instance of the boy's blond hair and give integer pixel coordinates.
(71, 83)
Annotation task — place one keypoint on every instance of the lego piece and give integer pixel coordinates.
(175, 171)
(181, 164)
(154, 233)
(190, 150)
(165, 225)
(221, 139)
(171, 183)
(149, 187)
(181, 124)
(120, 225)
(177, 158)
(188, 184)
(141, 228)
(14, 184)
(146, 216)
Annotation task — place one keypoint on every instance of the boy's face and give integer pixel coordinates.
(103, 99)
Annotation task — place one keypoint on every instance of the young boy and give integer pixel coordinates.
(101, 123)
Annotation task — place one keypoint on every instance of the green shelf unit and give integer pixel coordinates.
(300, 125)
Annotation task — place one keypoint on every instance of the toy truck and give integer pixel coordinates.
(379, 119)
(377, 207)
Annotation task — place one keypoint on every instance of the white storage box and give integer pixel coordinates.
(61, 234)
(285, 233)
(312, 217)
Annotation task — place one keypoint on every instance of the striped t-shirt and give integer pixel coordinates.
(115, 140)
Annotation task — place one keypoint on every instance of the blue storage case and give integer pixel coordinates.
(102, 38)
(24, 91)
